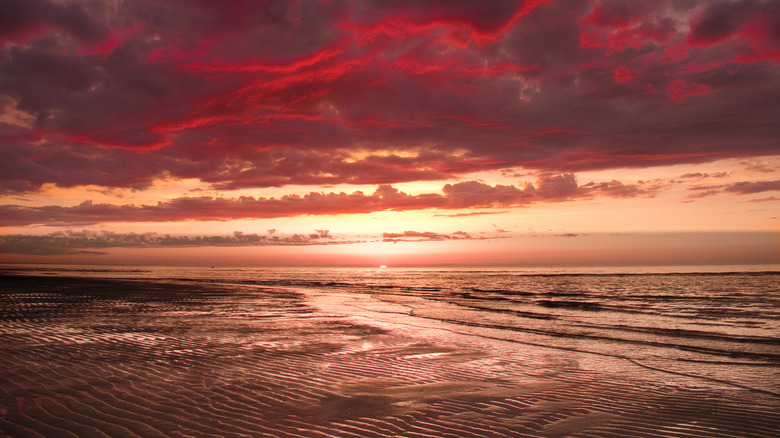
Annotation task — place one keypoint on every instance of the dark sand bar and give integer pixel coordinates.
(120, 358)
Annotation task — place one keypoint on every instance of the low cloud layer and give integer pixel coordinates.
(92, 242)
(424, 236)
(469, 194)
(739, 188)
(86, 242)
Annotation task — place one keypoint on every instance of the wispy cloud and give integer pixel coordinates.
(767, 199)
(739, 188)
(471, 213)
(699, 175)
(748, 187)
(86, 242)
(425, 236)
(567, 235)
(90, 242)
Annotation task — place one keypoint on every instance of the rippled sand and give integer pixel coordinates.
(87, 357)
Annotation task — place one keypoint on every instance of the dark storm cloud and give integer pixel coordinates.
(245, 94)
(723, 20)
(25, 19)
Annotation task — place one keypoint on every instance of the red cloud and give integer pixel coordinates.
(623, 75)
(476, 194)
(469, 194)
(724, 20)
(679, 89)
(252, 94)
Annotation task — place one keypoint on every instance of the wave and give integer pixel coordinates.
(580, 305)
(606, 349)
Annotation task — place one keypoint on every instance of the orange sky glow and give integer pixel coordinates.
(537, 133)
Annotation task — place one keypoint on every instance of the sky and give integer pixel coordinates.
(403, 133)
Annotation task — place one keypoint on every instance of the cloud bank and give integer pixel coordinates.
(246, 94)
(91, 242)
(463, 195)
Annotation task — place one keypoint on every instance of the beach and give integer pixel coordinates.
(97, 357)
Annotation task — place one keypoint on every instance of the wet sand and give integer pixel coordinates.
(91, 357)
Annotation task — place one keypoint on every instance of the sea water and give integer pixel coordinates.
(717, 325)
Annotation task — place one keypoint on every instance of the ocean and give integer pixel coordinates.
(200, 351)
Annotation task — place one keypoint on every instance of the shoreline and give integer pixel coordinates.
(396, 317)
(539, 270)
(87, 357)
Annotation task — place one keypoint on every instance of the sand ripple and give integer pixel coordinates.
(98, 358)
